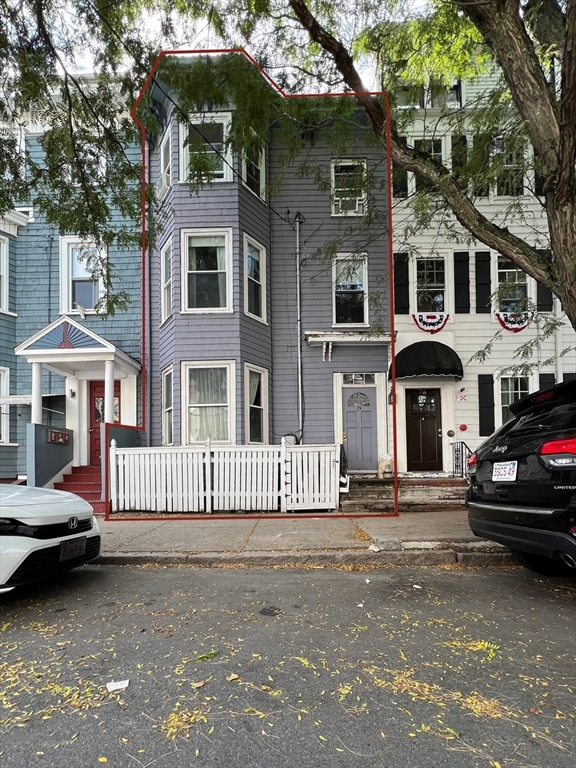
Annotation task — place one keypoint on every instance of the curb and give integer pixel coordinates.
(410, 557)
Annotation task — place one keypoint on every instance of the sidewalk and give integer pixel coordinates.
(423, 538)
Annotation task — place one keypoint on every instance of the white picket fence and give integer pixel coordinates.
(225, 478)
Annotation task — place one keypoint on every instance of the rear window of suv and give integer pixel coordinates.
(544, 419)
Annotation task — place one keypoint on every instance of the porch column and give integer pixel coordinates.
(109, 391)
(36, 416)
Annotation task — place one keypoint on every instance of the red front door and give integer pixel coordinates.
(97, 416)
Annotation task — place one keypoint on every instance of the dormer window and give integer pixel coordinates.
(348, 187)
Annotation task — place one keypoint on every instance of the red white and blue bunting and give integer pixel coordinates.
(431, 322)
(515, 321)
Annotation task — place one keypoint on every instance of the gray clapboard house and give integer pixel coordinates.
(265, 314)
(261, 320)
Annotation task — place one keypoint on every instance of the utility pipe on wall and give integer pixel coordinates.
(299, 219)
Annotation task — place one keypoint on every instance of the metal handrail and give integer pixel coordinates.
(460, 455)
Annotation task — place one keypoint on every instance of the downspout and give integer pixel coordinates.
(558, 342)
(147, 318)
(299, 219)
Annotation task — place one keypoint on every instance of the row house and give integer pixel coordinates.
(455, 298)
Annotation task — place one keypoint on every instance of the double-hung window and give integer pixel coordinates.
(254, 170)
(511, 389)
(350, 294)
(204, 151)
(166, 281)
(167, 407)
(80, 291)
(512, 287)
(255, 283)
(256, 392)
(209, 402)
(510, 162)
(434, 148)
(348, 187)
(165, 175)
(207, 270)
(4, 276)
(430, 285)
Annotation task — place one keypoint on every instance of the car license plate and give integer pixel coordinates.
(504, 471)
(72, 548)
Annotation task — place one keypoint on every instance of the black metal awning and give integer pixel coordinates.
(428, 358)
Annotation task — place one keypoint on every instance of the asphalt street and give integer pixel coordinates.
(238, 667)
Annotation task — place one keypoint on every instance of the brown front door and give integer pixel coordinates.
(423, 430)
(97, 416)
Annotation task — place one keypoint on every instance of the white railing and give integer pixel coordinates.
(208, 478)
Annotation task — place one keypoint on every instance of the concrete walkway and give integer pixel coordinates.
(434, 538)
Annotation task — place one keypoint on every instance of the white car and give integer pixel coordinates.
(43, 533)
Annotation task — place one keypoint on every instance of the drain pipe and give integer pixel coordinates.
(299, 219)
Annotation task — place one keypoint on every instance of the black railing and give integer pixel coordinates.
(460, 455)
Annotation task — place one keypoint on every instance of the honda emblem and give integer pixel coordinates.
(72, 523)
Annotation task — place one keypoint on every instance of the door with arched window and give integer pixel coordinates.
(360, 430)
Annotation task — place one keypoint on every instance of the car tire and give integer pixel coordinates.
(544, 566)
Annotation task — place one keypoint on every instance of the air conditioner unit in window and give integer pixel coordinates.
(348, 206)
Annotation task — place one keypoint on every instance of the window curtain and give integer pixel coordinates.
(208, 404)
(256, 411)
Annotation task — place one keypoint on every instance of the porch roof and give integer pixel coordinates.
(69, 349)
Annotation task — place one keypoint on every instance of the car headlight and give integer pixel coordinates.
(7, 525)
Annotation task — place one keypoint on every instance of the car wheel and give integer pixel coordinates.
(545, 566)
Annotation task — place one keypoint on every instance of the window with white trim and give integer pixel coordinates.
(348, 187)
(206, 137)
(255, 279)
(79, 291)
(4, 408)
(256, 397)
(167, 407)
(165, 176)
(209, 393)
(511, 389)
(350, 290)
(510, 160)
(166, 281)
(430, 285)
(4, 276)
(207, 270)
(512, 287)
(434, 148)
(254, 170)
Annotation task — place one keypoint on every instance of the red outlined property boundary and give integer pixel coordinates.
(144, 286)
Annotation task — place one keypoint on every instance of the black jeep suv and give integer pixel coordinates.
(523, 482)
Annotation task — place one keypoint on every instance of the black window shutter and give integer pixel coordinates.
(486, 404)
(462, 283)
(543, 298)
(483, 286)
(401, 284)
(569, 377)
(546, 380)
